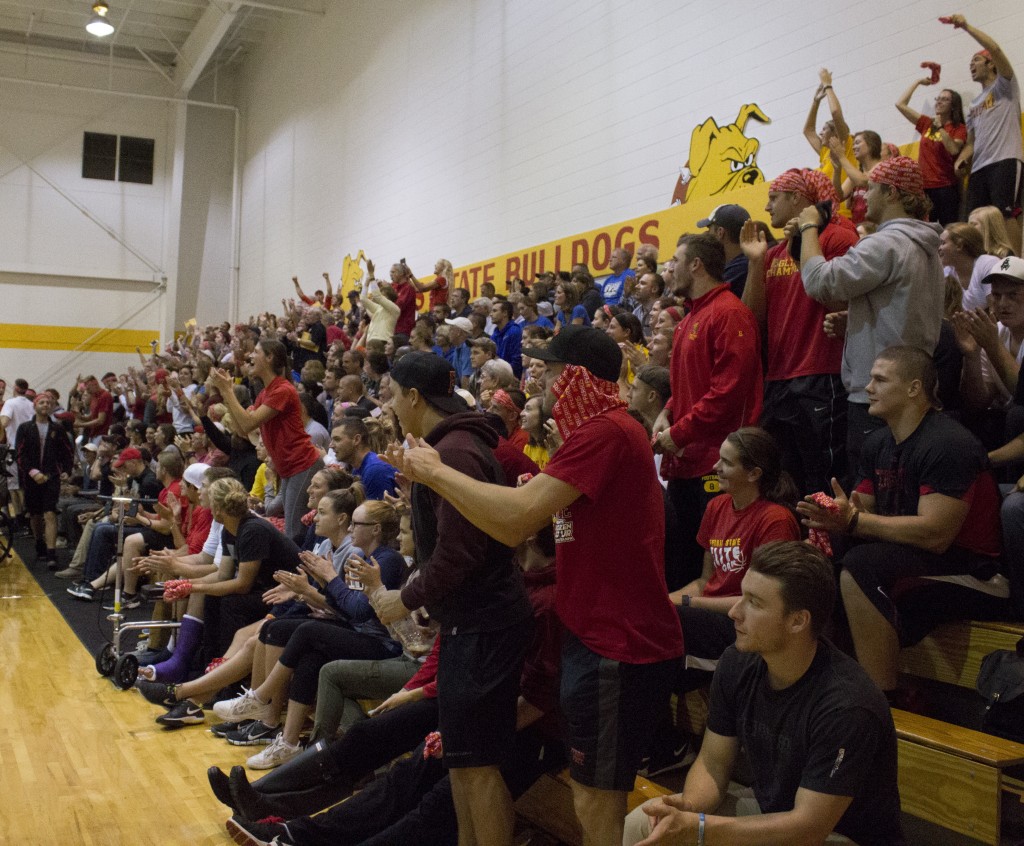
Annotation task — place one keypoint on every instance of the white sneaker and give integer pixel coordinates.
(280, 751)
(245, 707)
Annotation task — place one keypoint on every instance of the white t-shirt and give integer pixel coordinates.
(994, 118)
(19, 410)
(989, 374)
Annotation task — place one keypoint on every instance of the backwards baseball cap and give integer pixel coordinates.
(585, 346)
(463, 323)
(545, 308)
(433, 377)
(902, 173)
(1010, 268)
(194, 474)
(730, 217)
(129, 454)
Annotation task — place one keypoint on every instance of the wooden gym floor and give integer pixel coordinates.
(82, 762)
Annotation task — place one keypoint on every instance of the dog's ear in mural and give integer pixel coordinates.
(722, 158)
(351, 273)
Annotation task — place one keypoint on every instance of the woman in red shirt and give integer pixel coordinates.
(755, 508)
(942, 139)
(276, 413)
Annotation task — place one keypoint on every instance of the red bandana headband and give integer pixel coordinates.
(581, 395)
(901, 173)
(793, 181)
(502, 398)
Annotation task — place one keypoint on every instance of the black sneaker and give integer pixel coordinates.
(224, 729)
(255, 733)
(158, 693)
(666, 759)
(258, 833)
(128, 602)
(184, 713)
(83, 591)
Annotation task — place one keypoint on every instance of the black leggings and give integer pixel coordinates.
(318, 642)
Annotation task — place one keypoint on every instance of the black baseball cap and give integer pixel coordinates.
(431, 375)
(583, 345)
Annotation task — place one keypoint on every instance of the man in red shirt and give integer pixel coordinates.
(101, 411)
(804, 398)
(715, 373)
(623, 641)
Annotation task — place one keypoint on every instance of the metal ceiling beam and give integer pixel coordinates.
(298, 7)
(200, 46)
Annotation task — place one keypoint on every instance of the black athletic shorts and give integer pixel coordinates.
(611, 709)
(999, 184)
(477, 689)
(42, 498)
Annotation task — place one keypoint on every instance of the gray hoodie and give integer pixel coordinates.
(894, 285)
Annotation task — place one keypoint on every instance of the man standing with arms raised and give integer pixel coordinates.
(623, 640)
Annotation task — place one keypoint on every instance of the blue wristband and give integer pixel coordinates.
(700, 829)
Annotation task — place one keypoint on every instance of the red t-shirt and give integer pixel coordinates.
(198, 528)
(934, 159)
(610, 552)
(797, 344)
(439, 295)
(284, 436)
(732, 536)
(103, 402)
(406, 302)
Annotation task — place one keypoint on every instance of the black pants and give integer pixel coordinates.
(412, 804)
(807, 417)
(225, 615)
(690, 498)
(859, 424)
(945, 203)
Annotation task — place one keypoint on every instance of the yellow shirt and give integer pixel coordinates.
(538, 454)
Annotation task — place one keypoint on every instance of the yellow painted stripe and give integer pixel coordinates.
(31, 336)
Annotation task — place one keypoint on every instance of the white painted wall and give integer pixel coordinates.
(469, 128)
(80, 252)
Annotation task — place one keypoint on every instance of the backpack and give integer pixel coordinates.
(1001, 683)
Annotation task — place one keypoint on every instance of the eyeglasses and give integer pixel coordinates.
(358, 523)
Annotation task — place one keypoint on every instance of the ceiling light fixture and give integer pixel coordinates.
(98, 24)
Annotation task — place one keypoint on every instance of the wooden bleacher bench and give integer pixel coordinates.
(548, 805)
(953, 652)
(953, 776)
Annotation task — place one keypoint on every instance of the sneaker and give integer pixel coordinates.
(245, 707)
(128, 602)
(224, 729)
(667, 759)
(157, 692)
(62, 543)
(83, 591)
(253, 734)
(69, 573)
(262, 833)
(280, 751)
(184, 713)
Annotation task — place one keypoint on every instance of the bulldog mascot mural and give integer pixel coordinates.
(722, 158)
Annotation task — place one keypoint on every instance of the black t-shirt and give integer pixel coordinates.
(830, 732)
(940, 456)
(257, 540)
(147, 485)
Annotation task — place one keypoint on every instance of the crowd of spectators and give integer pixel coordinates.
(710, 454)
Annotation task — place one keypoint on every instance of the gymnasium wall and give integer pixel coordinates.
(472, 130)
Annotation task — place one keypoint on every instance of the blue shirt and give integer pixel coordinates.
(613, 286)
(377, 476)
(541, 321)
(578, 311)
(458, 357)
(510, 346)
